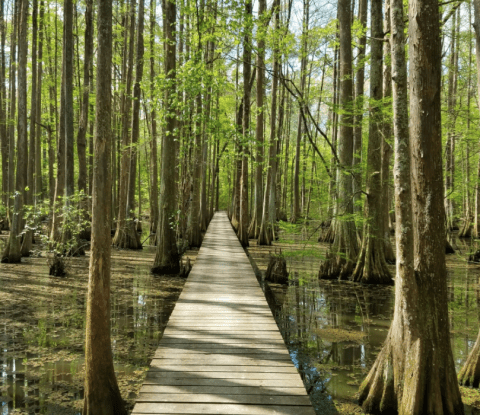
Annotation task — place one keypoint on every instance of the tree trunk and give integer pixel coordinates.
(328, 235)
(450, 145)
(83, 125)
(126, 234)
(259, 136)
(52, 135)
(13, 109)
(69, 136)
(296, 214)
(359, 100)
(341, 258)
(167, 258)
(469, 375)
(371, 266)
(12, 253)
(196, 234)
(38, 101)
(235, 208)
(102, 395)
(3, 110)
(466, 231)
(29, 194)
(238, 171)
(267, 226)
(135, 132)
(414, 373)
(247, 58)
(476, 26)
(56, 233)
(386, 140)
(68, 238)
(136, 109)
(153, 143)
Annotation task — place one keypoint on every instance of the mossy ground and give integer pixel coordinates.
(470, 397)
(42, 322)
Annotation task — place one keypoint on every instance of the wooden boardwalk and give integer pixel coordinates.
(221, 352)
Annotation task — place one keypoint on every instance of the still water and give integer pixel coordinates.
(334, 330)
(42, 324)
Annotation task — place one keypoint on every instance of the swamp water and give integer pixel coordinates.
(334, 330)
(42, 325)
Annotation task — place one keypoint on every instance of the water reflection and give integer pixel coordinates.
(42, 331)
(334, 330)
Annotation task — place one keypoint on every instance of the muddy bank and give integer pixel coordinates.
(42, 324)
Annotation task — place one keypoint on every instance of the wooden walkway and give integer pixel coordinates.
(221, 352)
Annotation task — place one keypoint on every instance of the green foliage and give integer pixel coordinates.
(74, 222)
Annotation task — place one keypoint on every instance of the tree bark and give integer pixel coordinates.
(341, 258)
(12, 253)
(254, 228)
(153, 143)
(29, 194)
(387, 139)
(68, 238)
(33, 106)
(38, 101)
(126, 234)
(136, 109)
(303, 75)
(3, 109)
(69, 136)
(167, 258)
(476, 27)
(13, 108)
(466, 230)
(469, 375)
(247, 58)
(267, 226)
(450, 144)
(83, 125)
(195, 226)
(371, 265)
(102, 395)
(415, 373)
(359, 102)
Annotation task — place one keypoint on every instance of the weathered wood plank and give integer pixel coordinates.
(233, 374)
(226, 360)
(205, 368)
(222, 352)
(167, 352)
(216, 409)
(160, 380)
(220, 343)
(234, 399)
(223, 390)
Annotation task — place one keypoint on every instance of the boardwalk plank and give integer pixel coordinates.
(223, 390)
(233, 374)
(158, 379)
(207, 368)
(216, 409)
(222, 352)
(234, 399)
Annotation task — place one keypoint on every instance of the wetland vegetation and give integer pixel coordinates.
(115, 114)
